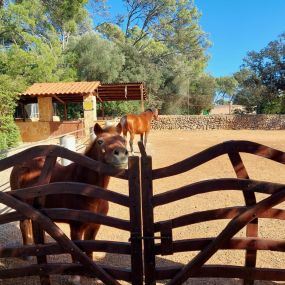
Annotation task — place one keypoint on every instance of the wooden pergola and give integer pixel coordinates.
(87, 93)
(75, 92)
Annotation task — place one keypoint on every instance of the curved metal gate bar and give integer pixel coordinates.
(230, 230)
(58, 151)
(70, 188)
(56, 233)
(251, 244)
(218, 150)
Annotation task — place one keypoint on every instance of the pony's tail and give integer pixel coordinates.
(123, 123)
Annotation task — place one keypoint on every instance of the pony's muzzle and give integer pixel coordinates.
(120, 157)
(120, 152)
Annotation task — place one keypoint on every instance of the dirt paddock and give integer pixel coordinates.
(168, 147)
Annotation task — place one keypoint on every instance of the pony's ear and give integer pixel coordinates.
(97, 129)
(119, 128)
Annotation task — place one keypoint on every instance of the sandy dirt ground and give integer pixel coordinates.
(168, 147)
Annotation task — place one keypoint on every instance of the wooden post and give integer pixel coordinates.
(45, 109)
(23, 111)
(148, 220)
(135, 219)
(103, 113)
(88, 111)
(65, 112)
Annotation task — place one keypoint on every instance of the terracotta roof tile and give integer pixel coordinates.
(62, 88)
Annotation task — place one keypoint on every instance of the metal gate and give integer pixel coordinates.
(43, 221)
(156, 237)
(246, 215)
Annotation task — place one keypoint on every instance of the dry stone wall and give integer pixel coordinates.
(226, 122)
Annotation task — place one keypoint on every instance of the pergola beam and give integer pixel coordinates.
(58, 99)
(64, 104)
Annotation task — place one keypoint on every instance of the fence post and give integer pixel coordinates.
(148, 220)
(69, 143)
(135, 219)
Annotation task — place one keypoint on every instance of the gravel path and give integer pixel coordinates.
(168, 147)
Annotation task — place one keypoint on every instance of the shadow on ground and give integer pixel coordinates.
(10, 236)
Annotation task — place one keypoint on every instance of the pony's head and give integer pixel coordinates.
(109, 146)
(155, 112)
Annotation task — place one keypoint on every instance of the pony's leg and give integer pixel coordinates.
(141, 137)
(90, 234)
(145, 139)
(125, 132)
(132, 136)
(26, 230)
(76, 233)
(27, 234)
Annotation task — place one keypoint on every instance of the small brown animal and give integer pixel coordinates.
(108, 147)
(138, 124)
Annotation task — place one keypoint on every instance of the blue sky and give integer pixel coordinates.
(235, 27)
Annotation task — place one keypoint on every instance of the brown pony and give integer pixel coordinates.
(138, 124)
(108, 147)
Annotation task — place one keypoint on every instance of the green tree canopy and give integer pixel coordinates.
(262, 79)
(66, 17)
(96, 58)
(269, 65)
(161, 41)
(30, 46)
(156, 42)
(226, 87)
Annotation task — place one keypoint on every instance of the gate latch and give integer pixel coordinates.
(166, 245)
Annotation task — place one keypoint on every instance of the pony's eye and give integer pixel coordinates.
(100, 142)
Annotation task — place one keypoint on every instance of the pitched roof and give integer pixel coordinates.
(74, 91)
(62, 88)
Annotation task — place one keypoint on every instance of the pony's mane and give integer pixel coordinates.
(152, 109)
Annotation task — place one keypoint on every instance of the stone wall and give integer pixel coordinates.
(226, 122)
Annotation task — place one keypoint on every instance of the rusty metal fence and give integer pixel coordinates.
(141, 225)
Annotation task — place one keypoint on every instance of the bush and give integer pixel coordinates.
(9, 134)
(3, 145)
(10, 130)
(117, 109)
